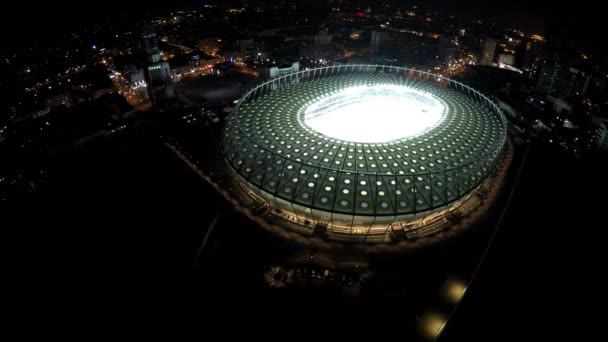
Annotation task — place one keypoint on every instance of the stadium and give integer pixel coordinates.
(364, 153)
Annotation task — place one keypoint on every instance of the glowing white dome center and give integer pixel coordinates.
(374, 114)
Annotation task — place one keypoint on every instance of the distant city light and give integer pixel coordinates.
(537, 37)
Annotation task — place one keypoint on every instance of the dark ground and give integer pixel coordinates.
(109, 245)
(545, 274)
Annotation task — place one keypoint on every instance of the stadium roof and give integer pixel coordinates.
(270, 142)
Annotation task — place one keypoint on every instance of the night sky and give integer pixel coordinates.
(580, 22)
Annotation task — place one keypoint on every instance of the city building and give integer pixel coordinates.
(562, 81)
(487, 52)
(135, 76)
(506, 59)
(251, 50)
(378, 40)
(271, 71)
(323, 38)
(151, 46)
(158, 70)
(246, 49)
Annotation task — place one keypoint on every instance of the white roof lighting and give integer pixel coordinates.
(374, 114)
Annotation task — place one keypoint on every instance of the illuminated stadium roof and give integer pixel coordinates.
(364, 141)
(377, 113)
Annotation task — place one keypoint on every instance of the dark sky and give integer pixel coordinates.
(582, 19)
(528, 14)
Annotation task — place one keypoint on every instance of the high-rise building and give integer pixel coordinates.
(487, 53)
(151, 45)
(562, 81)
(379, 38)
(158, 72)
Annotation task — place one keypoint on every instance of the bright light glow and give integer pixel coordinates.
(374, 114)
(454, 289)
(432, 324)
